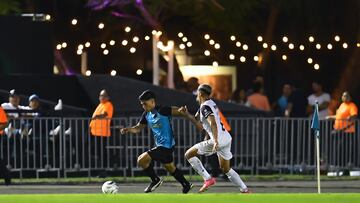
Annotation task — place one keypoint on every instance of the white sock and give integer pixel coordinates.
(235, 178)
(199, 168)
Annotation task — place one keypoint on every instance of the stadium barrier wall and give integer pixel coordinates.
(65, 146)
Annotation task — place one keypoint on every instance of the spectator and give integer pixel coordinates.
(239, 96)
(344, 131)
(101, 118)
(192, 85)
(13, 104)
(347, 112)
(257, 99)
(297, 102)
(54, 132)
(323, 99)
(281, 104)
(3, 121)
(34, 105)
(100, 130)
(4, 172)
(258, 79)
(27, 124)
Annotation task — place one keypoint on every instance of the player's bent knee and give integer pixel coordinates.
(190, 153)
(170, 167)
(139, 160)
(142, 160)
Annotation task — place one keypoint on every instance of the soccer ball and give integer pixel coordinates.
(110, 187)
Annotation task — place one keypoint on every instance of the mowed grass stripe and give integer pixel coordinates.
(180, 198)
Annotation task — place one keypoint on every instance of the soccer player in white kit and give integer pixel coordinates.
(219, 142)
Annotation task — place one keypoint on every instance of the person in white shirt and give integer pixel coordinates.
(322, 97)
(13, 104)
(16, 126)
(219, 142)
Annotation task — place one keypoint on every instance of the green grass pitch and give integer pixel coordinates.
(180, 198)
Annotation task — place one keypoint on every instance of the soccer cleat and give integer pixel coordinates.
(153, 185)
(246, 191)
(207, 184)
(58, 106)
(55, 131)
(187, 188)
(24, 132)
(29, 132)
(10, 131)
(68, 131)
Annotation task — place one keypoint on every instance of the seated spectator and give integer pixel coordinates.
(34, 105)
(13, 104)
(257, 99)
(323, 99)
(56, 131)
(27, 124)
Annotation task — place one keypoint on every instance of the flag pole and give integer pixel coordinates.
(318, 160)
(317, 134)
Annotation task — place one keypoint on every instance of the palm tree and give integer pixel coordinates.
(9, 6)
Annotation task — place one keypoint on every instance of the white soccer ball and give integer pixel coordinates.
(110, 187)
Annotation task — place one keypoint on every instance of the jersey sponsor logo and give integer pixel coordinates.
(156, 123)
(206, 111)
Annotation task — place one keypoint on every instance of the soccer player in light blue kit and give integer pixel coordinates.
(158, 118)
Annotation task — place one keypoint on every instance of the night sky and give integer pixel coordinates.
(297, 20)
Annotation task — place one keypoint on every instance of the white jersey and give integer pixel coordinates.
(209, 108)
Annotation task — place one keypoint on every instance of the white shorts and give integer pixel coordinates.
(205, 148)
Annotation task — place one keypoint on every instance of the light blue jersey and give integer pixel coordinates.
(159, 121)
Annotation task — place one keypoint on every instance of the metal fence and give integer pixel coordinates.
(65, 146)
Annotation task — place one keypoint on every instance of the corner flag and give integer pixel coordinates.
(315, 120)
(315, 125)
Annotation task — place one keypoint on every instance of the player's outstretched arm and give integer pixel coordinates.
(182, 111)
(134, 129)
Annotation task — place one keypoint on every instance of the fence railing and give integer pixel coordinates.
(260, 145)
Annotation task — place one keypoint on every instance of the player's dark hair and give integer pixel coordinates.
(146, 95)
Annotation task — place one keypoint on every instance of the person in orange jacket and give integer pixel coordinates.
(4, 172)
(100, 129)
